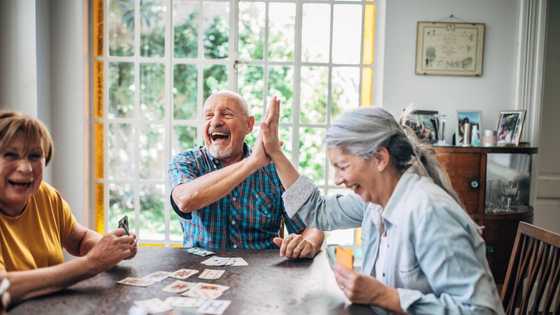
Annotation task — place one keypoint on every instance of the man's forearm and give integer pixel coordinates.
(88, 242)
(210, 187)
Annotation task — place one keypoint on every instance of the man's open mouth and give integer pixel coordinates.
(216, 136)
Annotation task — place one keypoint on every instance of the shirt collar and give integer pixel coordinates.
(390, 212)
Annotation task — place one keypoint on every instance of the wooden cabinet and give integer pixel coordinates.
(468, 170)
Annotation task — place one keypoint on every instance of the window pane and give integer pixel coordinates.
(175, 230)
(314, 93)
(120, 150)
(121, 28)
(281, 32)
(315, 35)
(152, 91)
(215, 79)
(251, 87)
(251, 30)
(345, 87)
(311, 154)
(152, 217)
(286, 138)
(152, 28)
(346, 33)
(280, 83)
(121, 89)
(184, 138)
(121, 203)
(216, 29)
(152, 163)
(185, 25)
(184, 91)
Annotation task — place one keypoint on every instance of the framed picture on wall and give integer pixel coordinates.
(449, 48)
(510, 126)
(463, 117)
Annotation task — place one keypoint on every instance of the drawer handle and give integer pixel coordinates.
(475, 184)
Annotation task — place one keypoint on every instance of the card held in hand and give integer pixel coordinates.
(123, 224)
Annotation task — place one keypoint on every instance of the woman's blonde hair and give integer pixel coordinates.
(14, 124)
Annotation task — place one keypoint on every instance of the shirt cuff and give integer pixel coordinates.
(186, 216)
(297, 194)
(408, 297)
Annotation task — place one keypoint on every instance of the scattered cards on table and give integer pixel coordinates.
(215, 307)
(206, 291)
(211, 274)
(183, 274)
(137, 282)
(199, 251)
(225, 261)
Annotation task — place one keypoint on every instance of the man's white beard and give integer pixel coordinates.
(219, 154)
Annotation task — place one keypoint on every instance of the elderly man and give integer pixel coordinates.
(228, 196)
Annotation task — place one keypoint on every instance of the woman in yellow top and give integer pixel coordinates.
(36, 223)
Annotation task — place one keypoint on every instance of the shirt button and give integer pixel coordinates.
(233, 198)
(234, 245)
(233, 222)
(383, 275)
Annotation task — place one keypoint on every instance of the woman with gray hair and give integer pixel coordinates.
(422, 253)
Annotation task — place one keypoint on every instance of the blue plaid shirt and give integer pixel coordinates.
(248, 217)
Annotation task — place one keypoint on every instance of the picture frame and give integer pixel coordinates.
(449, 48)
(510, 127)
(473, 117)
(424, 123)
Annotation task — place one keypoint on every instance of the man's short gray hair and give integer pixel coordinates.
(229, 94)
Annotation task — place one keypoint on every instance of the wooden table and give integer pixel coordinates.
(269, 285)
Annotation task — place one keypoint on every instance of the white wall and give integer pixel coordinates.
(490, 93)
(43, 67)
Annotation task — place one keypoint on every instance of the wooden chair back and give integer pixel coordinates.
(532, 283)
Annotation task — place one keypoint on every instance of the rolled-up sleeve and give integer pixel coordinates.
(325, 213)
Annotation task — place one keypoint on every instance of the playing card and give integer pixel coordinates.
(153, 306)
(183, 302)
(137, 282)
(206, 291)
(123, 224)
(183, 274)
(199, 251)
(214, 307)
(157, 276)
(217, 261)
(238, 261)
(179, 286)
(211, 274)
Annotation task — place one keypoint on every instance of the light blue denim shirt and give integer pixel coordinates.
(435, 257)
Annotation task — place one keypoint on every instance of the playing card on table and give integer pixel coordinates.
(179, 286)
(206, 291)
(199, 251)
(217, 261)
(214, 307)
(211, 274)
(238, 261)
(153, 306)
(137, 282)
(183, 274)
(183, 302)
(157, 276)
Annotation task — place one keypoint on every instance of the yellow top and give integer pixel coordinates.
(33, 239)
